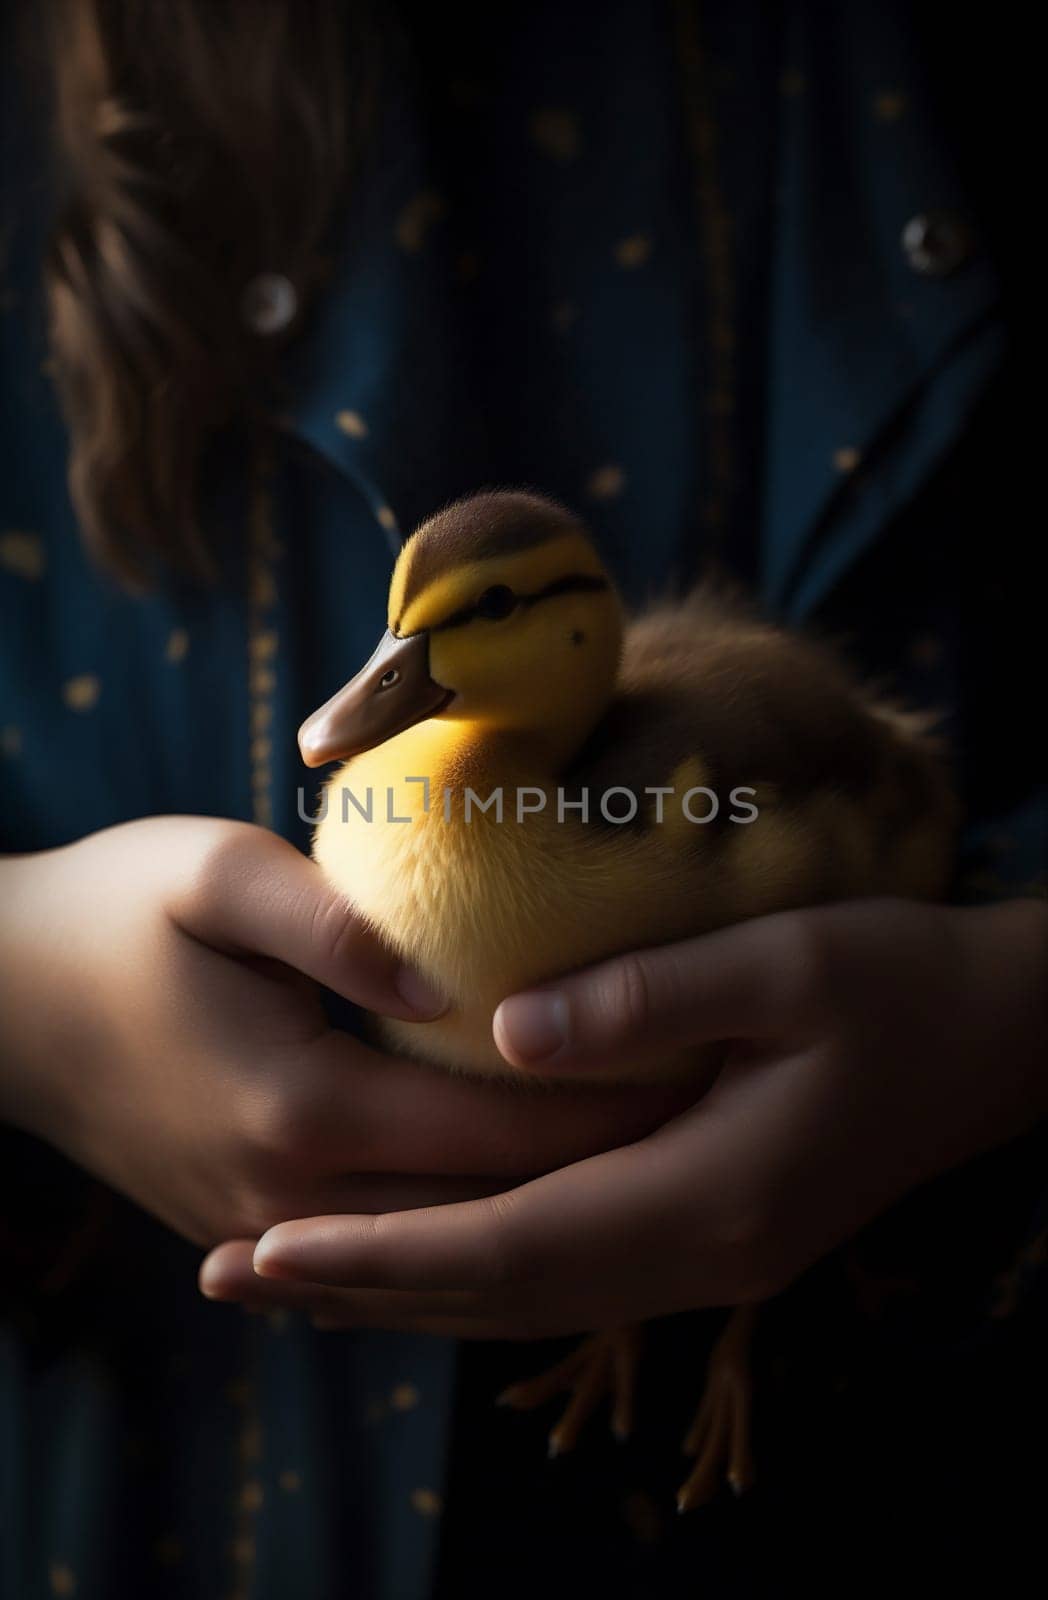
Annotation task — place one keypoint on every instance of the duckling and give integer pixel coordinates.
(531, 782)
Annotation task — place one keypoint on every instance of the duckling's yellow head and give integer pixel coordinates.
(501, 616)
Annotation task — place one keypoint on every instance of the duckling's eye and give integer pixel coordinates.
(388, 679)
(496, 603)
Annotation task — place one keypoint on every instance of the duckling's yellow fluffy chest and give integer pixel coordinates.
(488, 901)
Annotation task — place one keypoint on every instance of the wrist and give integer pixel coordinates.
(34, 996)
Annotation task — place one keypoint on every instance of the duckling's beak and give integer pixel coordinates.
(392, 692)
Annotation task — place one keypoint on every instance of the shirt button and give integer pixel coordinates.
(936, 243)
(270, 303)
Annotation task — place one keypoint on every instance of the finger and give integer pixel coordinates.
(580, 1240)
(723, 1205)
(256, 893)
(393, 1191)
(692, 1215)
(377, 1113)
(745, 981)
(227, 1274)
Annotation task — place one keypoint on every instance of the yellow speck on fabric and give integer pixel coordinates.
(426, 1502)
(847, 458)
(243, 1550)
(556, 133)
(262, 681)
(889, 105)
(238, 1391)
(792, 83)
(290, 1481)
(607, 483)
(263, 646)
(263, 638)
(81, 694)
(11, 740)
(22, 554)
(416, 220)
(262, 588)
(352, 424)
(61, 1578)
(252, 1495)
(386, 517)
(632, 251)
(278, 1319)
(250, 1442)
(405, 1397)
(564, 314)
(177, 646)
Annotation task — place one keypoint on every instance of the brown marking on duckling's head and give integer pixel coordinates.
(479, 528)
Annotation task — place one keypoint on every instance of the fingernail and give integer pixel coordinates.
(210, 1282)
(534, 1026)
(269, 1260)
(418, 993)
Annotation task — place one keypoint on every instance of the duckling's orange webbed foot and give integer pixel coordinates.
(603, 1366)
(720, 1436)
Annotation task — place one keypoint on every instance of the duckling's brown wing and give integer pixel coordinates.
(748, 704)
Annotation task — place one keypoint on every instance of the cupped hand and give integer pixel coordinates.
(162, 1025)
(869, 1046)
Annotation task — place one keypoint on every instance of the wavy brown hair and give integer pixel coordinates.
(200, 143)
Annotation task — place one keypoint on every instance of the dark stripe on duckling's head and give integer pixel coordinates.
(498, 522)
(497, 602)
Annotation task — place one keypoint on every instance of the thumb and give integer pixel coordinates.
(256, 894)
(642, 1008)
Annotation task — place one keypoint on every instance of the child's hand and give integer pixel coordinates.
(871, 1046)
(162, 1025)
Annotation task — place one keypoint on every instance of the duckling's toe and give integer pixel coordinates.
(602, 1366)
(720, 1435)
